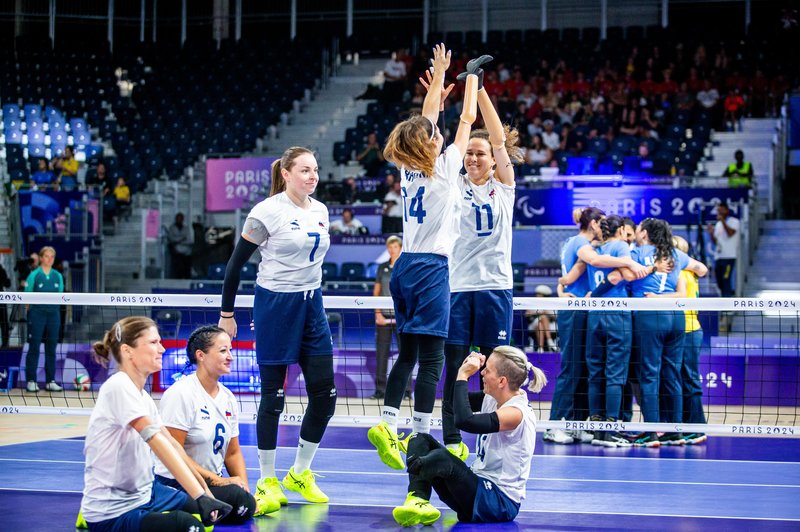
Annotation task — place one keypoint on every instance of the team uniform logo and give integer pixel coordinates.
(502, 335)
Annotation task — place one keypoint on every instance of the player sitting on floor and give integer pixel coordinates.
(493, 487)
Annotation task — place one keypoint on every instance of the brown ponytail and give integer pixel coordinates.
(126, 331)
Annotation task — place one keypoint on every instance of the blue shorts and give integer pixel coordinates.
(492, 505)
(420, 289)
(481, 318)
(163, 499)
(290, 324)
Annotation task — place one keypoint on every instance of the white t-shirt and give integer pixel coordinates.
(292, 241)
(396, 208)
(727, 246)
(118, 475)
(482, 255)
(551, 140)
(708, 98)
(431, 206)
(210, 422)
(505, 457)
(353, 228)
(395, 68)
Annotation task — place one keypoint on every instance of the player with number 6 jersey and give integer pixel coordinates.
(420, 281)
(290, 229)
(203, 416)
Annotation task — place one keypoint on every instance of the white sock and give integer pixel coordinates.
(305, 454)
(421, 422)
(390, 415)
(266, 461)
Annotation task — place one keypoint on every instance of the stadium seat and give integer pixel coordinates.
(372, 270)
(216, 271)
(352, 271)
(168, 322)
(330, 271)
(249, 272)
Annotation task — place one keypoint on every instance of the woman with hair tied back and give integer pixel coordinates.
(203, 416)
(120, 493)
(660, 334)
(493, 487)
(290, 230)
(420, 279)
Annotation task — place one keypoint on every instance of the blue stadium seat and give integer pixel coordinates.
(372, 270)
(675, 131)
(33, 112)
(330, 271)
(249, 272)
(353, 271)
(598, 145)
(216, 271)
(581, 165)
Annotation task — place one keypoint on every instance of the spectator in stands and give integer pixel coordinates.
(537, 154)
(725, 234)
(392, 221)
(122, 193)
(349, 191)
(550, 137)
(709, 98)
(348, 225)
(394, 75)
(371, 157)
(739, 173)
(542, 329)
(180, 239)
(385, 328)
(43, 177)
(66, 167)
(99, 178)
(44, 322)
(733, 105)
(5, 324)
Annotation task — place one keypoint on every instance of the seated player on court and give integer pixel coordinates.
(492, 488)
(120, 493)
(203, 416)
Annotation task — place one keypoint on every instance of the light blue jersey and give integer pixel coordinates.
(657, 282)
(596, 276)
(569, 256)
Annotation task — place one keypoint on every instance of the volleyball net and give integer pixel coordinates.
(749, 363)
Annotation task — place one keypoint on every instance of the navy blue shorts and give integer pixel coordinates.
(420, 289)
(492, 505)
(163, 499)
(481, 318)
(290, 324)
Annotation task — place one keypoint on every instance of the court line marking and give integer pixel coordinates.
(571, 511)
(536, 456)
(532, 479)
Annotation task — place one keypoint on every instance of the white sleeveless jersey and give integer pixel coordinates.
(210, 422)
(482, 255)
(118, 475)
(294, 246)
(431, 209)
(505, 457)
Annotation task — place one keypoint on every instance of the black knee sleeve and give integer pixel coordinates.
(244, 504)
(177, 521)
(321, 391)
(271, 405)
(454, 356)
(431, 362)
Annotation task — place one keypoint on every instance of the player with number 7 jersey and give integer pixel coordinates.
(290, 230)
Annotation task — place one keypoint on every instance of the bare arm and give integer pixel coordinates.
(588, 255)
(505, 170)
(441, 62)
(578, 269)
(468, 114)
(697, 267)
(234, 463)
(210, 477)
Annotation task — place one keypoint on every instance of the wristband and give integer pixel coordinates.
(222, 316)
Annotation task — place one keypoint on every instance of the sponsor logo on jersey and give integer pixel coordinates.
(502, 335)
(204, 410)
(295, 225)
(491, 194)
(322, 225)
(468, 195)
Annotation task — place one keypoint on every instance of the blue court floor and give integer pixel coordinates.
(726, 484)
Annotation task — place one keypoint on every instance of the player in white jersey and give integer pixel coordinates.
(419, 284)
(119, 491)
(290, 229)
(481, 280)
(492, 489)
(203, 416)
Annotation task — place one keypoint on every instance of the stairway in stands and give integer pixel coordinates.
(756, 140)
(325, 118)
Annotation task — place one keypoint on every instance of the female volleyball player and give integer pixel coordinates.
(492, 489)
(569, 399)
(419, 284)
(290, 229)
(481, 281)
(659, 335)
(119, 490)
(690, 367)
(203, 416)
